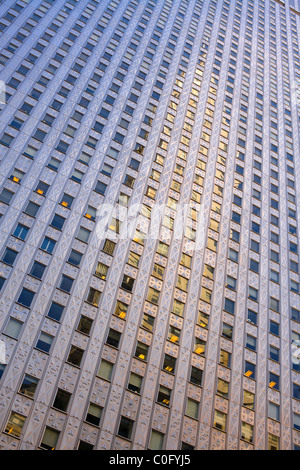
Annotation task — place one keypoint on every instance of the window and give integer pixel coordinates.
(253, 293)
(274, 304)
(169, 363)
(296, 391)
(196, 376)
(13, 328)
(156, 440)
(105, 369)
(50, 439)
(109, 247)
(225, 358)
(55, 311)
(135, 383)
(31, 209)
(227, 331)
(37, 270)
(42, 188)
(44, 342)
(147, 322)
(247, 432)
(248, 399)
(62, 399)
(75, 258)
(233, 255)
(6, 196)
(75, 356)
(273, 381)
(231, 282)
(93, 296)
(113, 338)
(127, 283)
(101, 270)
(192, 408)
(67, 200)
(153, 295)
(83, 234)
(58, 222)
(273, 411)
(84, 325)
(251, 342)
(66, 283)
(164, 395)
(125, 428)
(94, 414)
(141, 351)
(274, 353)
(223, 388)
(9, 256)
(274, 328)
(15, 424)
(54, 163)
(26, 297)
(21, 231)
(29, 386)
(249, 369)
(199, 346)
(273, 442)
(121, 309)
(220, 420)
(229, 306)
(252, 316)
(100, 187)
(48, 245)
(174, 334)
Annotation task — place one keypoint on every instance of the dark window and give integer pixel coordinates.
(196, 376)
(48, 245)
(250, 369)
(94, 414)
(75, 356)
(125, 428)
(9, 256)
(21, 231)
(37, 270)
(62, 399)
(169, 363)
(127, 283)
(66, 283)
(84, 325)
(67, 200)
(273, 381)
(100, 187)
(85, 446)
(113, 338)
(229, 306)
(75, 258)
(26, 297)
(164, 395)
(6, 196)
(32, 209)
(42, 188)
(55, 311)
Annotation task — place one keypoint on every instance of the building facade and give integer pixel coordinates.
(149, 258)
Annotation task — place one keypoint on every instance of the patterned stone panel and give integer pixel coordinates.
(218, 440)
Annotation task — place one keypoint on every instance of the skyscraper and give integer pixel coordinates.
(150, 179)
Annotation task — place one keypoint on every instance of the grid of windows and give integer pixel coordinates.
(153, 103)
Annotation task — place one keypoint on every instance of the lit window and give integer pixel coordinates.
(15, 424)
